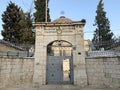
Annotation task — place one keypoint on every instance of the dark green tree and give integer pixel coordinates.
(102, 34)
(40, 15)
(13, 23)
(17, 25)
(28, 35)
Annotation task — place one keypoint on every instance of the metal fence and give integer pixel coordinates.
(107, 45)
(17, 54)
(21, 47)
(102, 53)
(16, 46)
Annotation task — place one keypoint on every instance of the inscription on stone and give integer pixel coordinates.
(66, 30)
(50, 30)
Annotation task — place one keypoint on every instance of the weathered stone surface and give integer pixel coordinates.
(103, 71)
(16, 71)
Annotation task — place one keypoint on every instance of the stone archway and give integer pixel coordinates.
(65, 30)
(59, 67)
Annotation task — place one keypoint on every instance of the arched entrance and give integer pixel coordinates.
(59, 45)
(59, 67)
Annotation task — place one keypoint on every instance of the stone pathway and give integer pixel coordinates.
(58, 87)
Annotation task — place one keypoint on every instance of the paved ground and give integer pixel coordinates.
(59, 87)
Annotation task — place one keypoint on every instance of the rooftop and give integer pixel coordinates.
(62, 19)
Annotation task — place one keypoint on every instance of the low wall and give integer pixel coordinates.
(103, 71)
(16, 71)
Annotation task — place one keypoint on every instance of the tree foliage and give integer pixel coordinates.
(28, 35)
(16, 25)
(102, 33)
(40, 14)
(12, 19)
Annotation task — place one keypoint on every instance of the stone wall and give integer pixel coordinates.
(16, 71)
(103, 71)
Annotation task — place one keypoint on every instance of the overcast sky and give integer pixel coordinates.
(75, 10)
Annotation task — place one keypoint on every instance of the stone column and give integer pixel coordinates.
(80, 77)
(39, 77)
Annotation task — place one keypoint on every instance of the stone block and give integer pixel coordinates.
(107, 75)
(115, 76)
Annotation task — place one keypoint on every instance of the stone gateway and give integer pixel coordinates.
(59, 53)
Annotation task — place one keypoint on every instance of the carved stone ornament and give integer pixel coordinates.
(59, 31)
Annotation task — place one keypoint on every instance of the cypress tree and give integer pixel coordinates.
(28, 36)
(40, 15)
(102, 34)
(13, 23)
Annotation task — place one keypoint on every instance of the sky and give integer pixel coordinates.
(75, 10)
